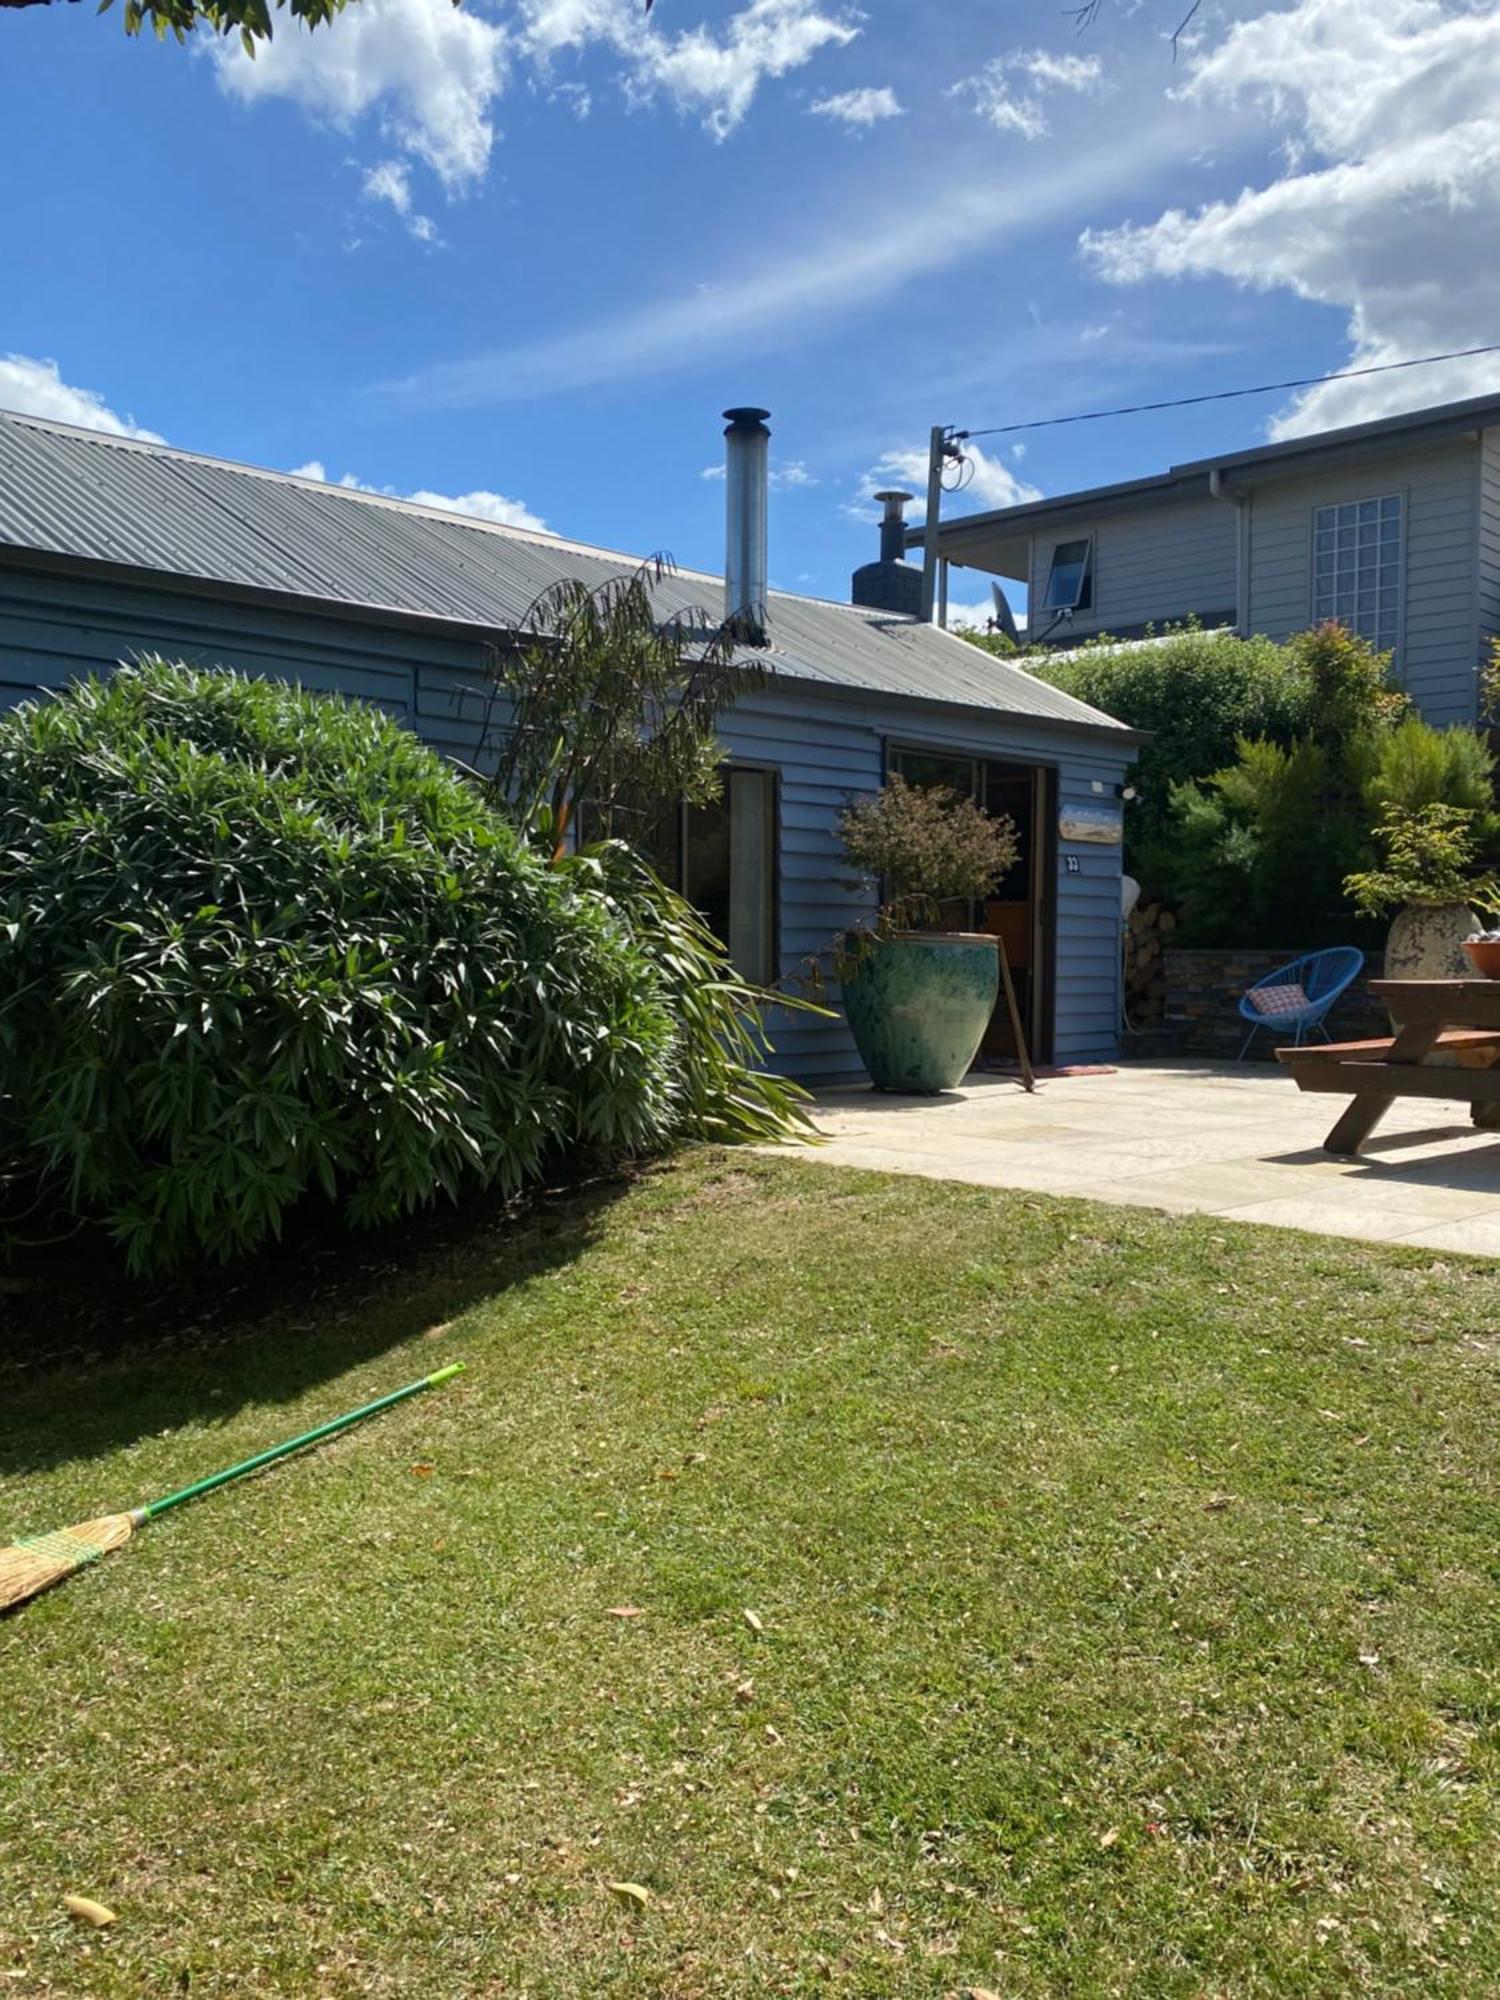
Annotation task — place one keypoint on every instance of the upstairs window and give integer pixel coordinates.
(1357, 568)
(1070, 581)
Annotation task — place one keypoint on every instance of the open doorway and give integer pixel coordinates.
(1019, 911)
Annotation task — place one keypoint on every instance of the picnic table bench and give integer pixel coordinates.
(1459, 1018)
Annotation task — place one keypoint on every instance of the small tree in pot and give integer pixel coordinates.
(1430, 879)
(918, 998)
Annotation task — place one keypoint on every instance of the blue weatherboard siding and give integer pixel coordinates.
(825, 745)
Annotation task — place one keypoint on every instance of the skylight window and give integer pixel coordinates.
(1070, 581)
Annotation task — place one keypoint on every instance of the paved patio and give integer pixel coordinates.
(1215, 1138)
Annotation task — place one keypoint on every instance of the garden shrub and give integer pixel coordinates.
(1197, 693)
(1418, 765)
(1259, 851)
(256, 942)
(927, 847)
(1429, 859)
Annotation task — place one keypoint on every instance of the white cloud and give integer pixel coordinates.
(792, 473)
(970, 617)
(483, 505)
(1388, 116)
(1009, 91)
(390, 181)
(708, 75)
(430, 69)
(430, 72)
(35, 388)
(989, 481)
(719, 79)
(858, 109)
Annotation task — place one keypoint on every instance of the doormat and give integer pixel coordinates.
(1044, 1070)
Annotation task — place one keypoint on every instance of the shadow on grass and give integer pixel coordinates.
(90, 1362)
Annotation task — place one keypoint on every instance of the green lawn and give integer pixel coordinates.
(1125, 1587)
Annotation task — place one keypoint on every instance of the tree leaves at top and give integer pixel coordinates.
(251, 20)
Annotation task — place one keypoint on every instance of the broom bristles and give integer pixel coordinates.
(39, 1561)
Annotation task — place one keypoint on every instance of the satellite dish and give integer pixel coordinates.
(1004, 620)
(1130, 894)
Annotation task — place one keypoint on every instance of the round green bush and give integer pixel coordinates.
(255, 942)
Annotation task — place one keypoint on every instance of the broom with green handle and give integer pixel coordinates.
(37, 1562)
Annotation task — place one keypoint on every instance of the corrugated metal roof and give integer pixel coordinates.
(90, 497)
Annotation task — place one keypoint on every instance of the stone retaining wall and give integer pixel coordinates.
(1201, 1012)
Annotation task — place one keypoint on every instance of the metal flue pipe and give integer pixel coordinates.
(747, 444)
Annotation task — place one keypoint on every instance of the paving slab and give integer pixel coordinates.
(1188, 1137)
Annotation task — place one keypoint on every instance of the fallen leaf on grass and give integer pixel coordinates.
(631, 1893)
(1109, 1839)
(1217, 1502)
(753, 1620)
(423, 1471)
(625, 1611)
(89, 1911)
(980, 1993)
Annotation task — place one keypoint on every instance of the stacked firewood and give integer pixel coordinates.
(1147, 933)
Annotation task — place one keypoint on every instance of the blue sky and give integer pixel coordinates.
(521, 255)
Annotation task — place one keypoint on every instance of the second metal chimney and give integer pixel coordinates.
(747, 445)
(892, 584)
(893, 525)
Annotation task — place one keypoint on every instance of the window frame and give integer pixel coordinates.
(727, 769)
(1083, 599)
(1392, 621)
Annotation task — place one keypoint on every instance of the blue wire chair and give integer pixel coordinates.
(1322, 975)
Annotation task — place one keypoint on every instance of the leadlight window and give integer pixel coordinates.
(1357, 568)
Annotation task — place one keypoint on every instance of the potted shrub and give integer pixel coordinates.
(918, 997)
(1430, 880)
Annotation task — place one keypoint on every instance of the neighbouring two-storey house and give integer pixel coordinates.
(1391, 527)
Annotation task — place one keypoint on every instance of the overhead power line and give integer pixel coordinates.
(1224, 395)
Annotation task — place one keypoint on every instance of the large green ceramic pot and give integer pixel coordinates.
(918, 1004)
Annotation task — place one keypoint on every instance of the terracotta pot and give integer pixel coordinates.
(1484, 956)
(918, 1004)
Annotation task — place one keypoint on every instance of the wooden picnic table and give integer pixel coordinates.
(1458, 1017)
